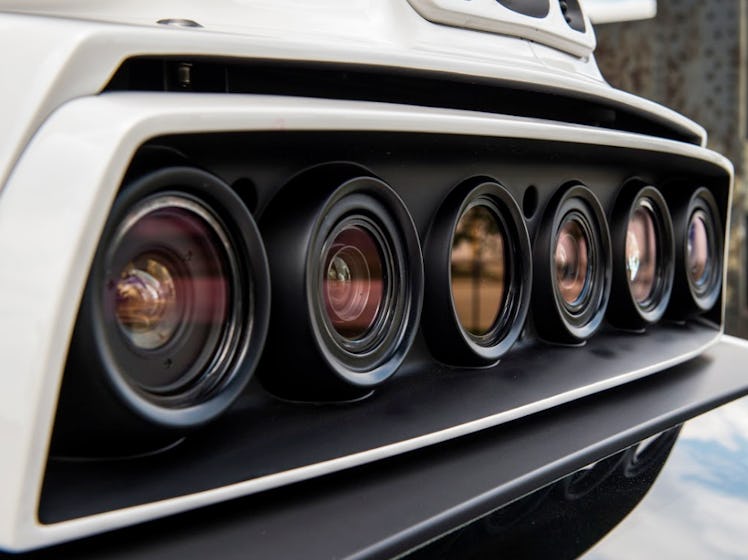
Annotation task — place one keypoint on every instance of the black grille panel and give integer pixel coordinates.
(424, 397)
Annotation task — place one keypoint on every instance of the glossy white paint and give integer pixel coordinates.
(67, 49)
(52, 211)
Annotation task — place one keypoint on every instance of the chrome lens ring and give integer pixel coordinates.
(572, 260)
(177, 299)
(643, 256)
(479, 264)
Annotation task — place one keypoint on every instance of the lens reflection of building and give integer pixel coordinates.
(477, 269)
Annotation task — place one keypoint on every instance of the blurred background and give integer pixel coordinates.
(691, 56)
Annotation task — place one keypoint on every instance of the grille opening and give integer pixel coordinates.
(532, 8)
(382, 84)
(572, 14)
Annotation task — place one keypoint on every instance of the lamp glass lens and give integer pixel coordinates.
(169, 291)
(699, 259)
(571, 258)
(641, 254)
(478, 269)
(353, 282)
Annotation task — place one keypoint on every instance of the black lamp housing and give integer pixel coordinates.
(447, 338)
(624, 310)
(308, 358)
(555, 319)
(691, 298)
(121, 397)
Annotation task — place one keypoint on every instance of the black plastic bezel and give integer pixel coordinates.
(297, 227)
(624, 311)
(687, 299)
(91, 353)
(447, 339)
(375, 362)
(554, 320)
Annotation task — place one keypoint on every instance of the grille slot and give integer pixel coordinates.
(381, 84)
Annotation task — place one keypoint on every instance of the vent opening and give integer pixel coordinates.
(385, 84)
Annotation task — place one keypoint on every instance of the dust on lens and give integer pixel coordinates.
(571, 259)
(478, 265)
(641, 253)
(353, 282)
(698, 255)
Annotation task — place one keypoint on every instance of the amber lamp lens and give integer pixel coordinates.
(571, 258)
(641, 254)
(699, 259)
(353, 282)
(479, 268)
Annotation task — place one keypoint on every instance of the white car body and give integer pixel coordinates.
(66, 145)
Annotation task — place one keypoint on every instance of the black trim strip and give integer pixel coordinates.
(385, 84)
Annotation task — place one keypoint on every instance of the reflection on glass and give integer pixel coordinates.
(565, 518)
(478, 267)
(353, 282)
(146, 304)
(698, 507)
(641, 253)
(173, 276)
(680, 494)
(571, 258)
(698, 249)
